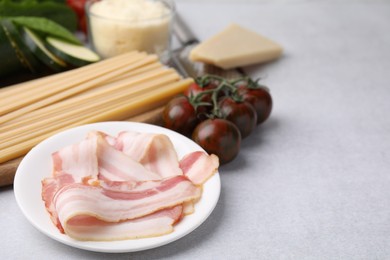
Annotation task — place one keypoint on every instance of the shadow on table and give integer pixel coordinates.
(175, 249)
(6, 188)
(256, 141)
(195, 239)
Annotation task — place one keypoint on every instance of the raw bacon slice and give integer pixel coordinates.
(83, 227)
(79, 159)
(188, 207)
(125, 187)
(134, 144)
(161, 157)
(155, 151)
(93, 229)
(50, 187)
(199, 166)
(114, 165)
(114, 206)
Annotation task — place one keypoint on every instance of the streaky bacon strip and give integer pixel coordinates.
(114, 165)
(78, 159)
(114, 205)
(188, 207)
(81, 226)
(199, 166)
(133, 143)
(50, 187)
(155, 151)
(124, 187)
(90, 228)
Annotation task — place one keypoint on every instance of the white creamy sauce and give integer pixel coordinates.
(119, 26)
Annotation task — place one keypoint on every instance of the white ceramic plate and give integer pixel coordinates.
(37, 164)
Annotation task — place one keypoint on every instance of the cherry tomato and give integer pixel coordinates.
(179, 115)
(260, 99)
(78, 7)
(194, 89)
(83, 24)
(204, 103)
(242, 114)
(220, 137)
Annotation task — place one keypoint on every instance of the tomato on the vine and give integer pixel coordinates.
(194, 89)
(260, 99)
(220, 137)
(180, 115)
(203, 100)
(242, 114)
(218, 113)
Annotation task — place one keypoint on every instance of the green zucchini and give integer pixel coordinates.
(53, 10)
(37, 46)
(45, 26)
(9, 60)
(24, 55)
(76, 55)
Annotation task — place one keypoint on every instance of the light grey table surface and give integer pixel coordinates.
(311, 183)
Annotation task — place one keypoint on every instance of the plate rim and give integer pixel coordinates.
(101, 246)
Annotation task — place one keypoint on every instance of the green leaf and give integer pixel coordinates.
(46, 26)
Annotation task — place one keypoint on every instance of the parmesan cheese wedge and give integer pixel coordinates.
(235, 47)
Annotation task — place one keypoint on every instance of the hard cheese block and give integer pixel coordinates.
(235, 47)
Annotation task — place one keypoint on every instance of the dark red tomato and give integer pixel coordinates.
(194, 89)
(220, 137)
(242, 114)
(83, 24)
(78, 7)
(180, 116)
(260, 99)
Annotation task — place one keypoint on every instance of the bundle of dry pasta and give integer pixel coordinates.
(113, 89)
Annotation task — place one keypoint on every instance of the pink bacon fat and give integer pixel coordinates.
(199, 166)
(115, 206)
(50, 187)
(125, 187)
(89, 228)
(115, 165)
(154, 151)
(79, 159)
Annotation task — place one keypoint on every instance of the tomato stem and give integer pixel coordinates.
(245, 79)
(230, 88)
(216, 112)
(205, 80)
